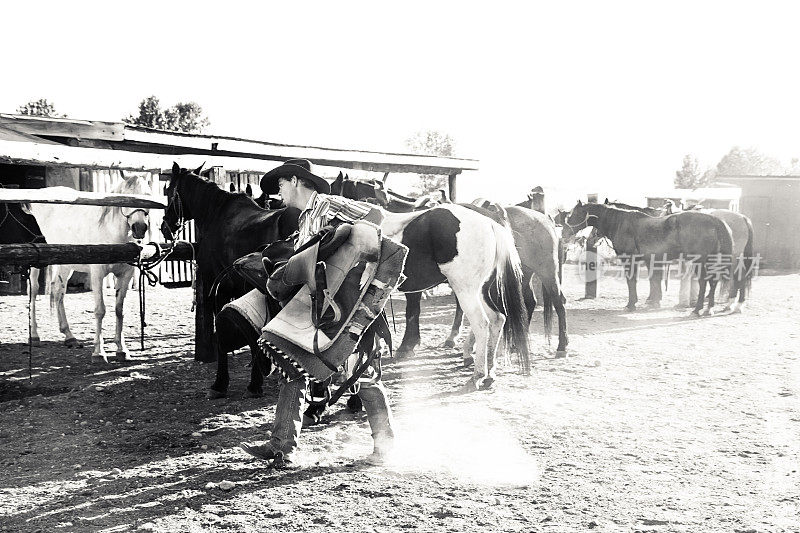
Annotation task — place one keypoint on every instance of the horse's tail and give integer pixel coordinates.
(505, 294)
(747, 260)
(725, 248)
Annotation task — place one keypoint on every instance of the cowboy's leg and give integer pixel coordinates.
(379, 414)
(288, 418)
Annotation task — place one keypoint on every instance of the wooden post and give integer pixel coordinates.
(591, 267)
(451, 185)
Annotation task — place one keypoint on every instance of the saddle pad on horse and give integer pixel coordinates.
(313, 337)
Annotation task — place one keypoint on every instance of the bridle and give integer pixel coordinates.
(176, 204)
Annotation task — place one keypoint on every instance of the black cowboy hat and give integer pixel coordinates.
(300, 168)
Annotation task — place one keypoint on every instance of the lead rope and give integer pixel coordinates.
(30, 331)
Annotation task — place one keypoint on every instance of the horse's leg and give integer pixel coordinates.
(685, 291)
(450, 342)
(631, 273)
(411, 335)
(58, 288)
(552, 298)
(467, 348)
(122, 283)
(33, 278)
(702, 289)
(655, 275)
(479, 323)
(495, 331)
(96, 275)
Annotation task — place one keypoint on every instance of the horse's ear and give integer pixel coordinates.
(580, 203)
(606, 202)
(176, 169)
(199, 169)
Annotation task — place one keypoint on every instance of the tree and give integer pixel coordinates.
(431, 142)
(186, 117)
(39, 108)
(749, 162)
(689, 176)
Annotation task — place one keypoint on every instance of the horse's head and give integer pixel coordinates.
(177, 212)
(138, 218)
(18, 225)
(581, 216)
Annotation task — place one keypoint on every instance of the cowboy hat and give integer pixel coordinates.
(300, 168)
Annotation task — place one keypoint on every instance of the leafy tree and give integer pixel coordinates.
(689, 176)
(431, 142)
(186, 117)
(749, 162)
(39, 108)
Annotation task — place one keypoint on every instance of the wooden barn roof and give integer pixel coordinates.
(96, 144)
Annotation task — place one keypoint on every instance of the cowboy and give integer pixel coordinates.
(300, 188)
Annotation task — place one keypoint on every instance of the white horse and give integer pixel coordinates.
(82, 224)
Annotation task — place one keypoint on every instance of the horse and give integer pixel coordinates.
(638, 236)
(81, 224)
(229, 226)
(538, 247)
(373, 190)
(18, 226)
(434, 240)
(742, 232)
(477, 257)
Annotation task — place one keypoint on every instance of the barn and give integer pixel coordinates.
(773, 204)
(92, 156)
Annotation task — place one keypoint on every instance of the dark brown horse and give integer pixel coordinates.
(636, 237)
(229, 226)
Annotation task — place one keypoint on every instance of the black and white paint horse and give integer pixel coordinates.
(477, 257)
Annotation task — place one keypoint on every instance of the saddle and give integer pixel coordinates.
(334, 288)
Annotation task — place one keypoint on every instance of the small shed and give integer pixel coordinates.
(773, 204)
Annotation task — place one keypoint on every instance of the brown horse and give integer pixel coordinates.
(636, 237)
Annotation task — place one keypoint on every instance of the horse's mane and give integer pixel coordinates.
(214, 197)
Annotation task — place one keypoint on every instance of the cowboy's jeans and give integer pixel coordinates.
(289, 419)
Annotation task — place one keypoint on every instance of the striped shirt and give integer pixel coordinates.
(322, 208)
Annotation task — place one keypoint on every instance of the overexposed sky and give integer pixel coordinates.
(583, 96)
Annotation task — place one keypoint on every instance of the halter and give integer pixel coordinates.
(129, 215)
(583, 223)
(19, 222)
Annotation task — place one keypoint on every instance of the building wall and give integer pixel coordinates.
(773, 204)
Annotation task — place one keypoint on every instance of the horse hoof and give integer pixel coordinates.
(35, 341)
(73, 343)
(468, 387)
(404, 353)
(708, 312)
(99, 358)
(468, 361)
(122, 357)
(216, 395)
(694, 314)
(449, 343)
(629, 308)
(253, 394)
(653, 305)
(560, 354)
(487, 384)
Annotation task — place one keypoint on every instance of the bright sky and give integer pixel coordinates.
(585, 96)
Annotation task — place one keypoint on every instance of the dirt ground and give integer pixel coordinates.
(656, 422)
